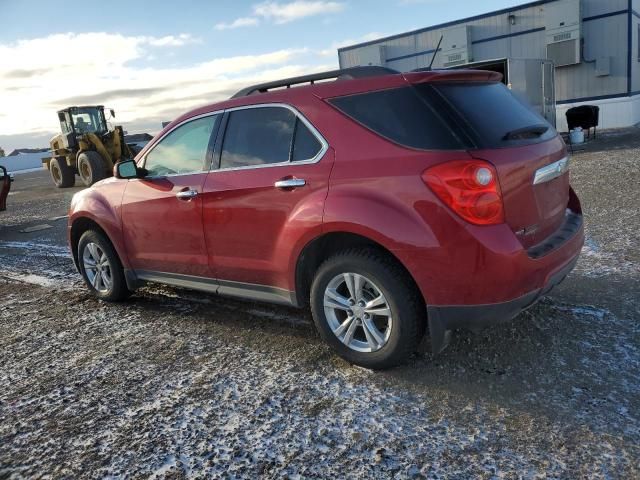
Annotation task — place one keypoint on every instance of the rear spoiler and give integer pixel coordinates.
(452, 76)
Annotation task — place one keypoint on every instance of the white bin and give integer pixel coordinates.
(576, 136)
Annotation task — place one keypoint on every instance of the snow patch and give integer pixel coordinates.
(579, 311)
(26, 170)
(31, 278)
(43, 248)
(594, 262)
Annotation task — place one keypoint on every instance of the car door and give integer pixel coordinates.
(5, 186)
(162, 212)
(267, 193)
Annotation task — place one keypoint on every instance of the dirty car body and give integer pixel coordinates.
(392, 204)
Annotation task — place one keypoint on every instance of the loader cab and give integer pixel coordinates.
(77, 121)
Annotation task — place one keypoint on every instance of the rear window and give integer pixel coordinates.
(448, 116)
(494, 115)
(402, 115)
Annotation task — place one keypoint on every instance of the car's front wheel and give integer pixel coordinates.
(101, 268)
(367, 308)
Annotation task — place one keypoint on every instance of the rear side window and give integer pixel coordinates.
(402, 115)
(266, 135)
(494, 115)
(305, 146)
(258, 136)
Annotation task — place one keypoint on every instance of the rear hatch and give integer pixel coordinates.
(519, 143)
(474, 111)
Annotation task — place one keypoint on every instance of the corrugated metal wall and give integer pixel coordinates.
(604, 36)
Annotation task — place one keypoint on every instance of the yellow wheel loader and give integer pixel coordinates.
(86, 147)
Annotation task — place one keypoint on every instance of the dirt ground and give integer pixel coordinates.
(177, 384)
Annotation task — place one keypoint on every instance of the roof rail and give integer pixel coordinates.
(343, 74)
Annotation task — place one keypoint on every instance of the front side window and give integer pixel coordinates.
(257, 136)
(184, 150)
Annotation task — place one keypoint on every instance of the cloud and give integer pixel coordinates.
(238, 23)
(102, 97)
(417, 2)
(284, 12)
(170, 40)
(24, 73)
(112, 69)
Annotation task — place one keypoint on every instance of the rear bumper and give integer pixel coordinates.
(533, 274)
(477, 316)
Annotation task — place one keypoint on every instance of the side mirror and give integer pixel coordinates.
(126, 169)
(113, 114)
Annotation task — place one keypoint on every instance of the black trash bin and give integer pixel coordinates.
(585, 116)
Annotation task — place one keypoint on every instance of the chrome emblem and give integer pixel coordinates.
(551, 171)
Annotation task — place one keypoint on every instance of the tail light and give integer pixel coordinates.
(470, 188)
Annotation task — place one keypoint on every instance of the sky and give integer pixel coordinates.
(153, 60)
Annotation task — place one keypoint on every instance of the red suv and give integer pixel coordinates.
(386, 202)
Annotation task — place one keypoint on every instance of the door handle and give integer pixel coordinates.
(290, 183)
(187, 194)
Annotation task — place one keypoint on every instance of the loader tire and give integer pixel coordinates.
(62, 174)
(91, 167)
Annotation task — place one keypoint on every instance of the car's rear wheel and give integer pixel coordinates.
(367, 308)
(101, 268)
(91, 167)
(61, 173)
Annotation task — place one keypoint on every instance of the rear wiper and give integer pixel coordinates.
(531, 131)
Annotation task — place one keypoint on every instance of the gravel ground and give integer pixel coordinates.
(177, 384)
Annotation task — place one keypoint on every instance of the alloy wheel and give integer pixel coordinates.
(97, 267)
(358, 313)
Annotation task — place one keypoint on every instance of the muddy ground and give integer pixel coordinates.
(176, 384)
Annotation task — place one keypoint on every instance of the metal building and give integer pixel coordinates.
(593, 44)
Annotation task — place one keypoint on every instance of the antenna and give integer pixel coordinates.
(435, 53)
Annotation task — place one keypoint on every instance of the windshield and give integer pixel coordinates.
(88, 120)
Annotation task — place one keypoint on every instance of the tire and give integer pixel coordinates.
(387, 346)
(91, 167)
(94, 245)
(61, 173)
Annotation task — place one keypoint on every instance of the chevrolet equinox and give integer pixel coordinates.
(392, 205)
